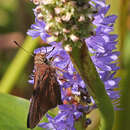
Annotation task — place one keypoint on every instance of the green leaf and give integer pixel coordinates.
(13, 113)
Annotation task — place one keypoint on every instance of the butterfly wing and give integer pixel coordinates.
(46, 94)
(54, 89)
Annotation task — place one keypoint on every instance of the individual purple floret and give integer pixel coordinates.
(38, 29)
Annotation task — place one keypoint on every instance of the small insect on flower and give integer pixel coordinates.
(46, 91)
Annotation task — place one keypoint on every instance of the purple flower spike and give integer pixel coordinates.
(102, 47)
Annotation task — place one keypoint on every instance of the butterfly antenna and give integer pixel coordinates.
(23, 48)
(50, 51)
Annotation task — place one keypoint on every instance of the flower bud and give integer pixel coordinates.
(68, 48)
(74, 38)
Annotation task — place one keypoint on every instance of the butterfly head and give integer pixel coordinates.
(40, 58)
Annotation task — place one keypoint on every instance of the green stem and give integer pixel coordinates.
(122, 117)
(15, 69)
(123, 14)
(80, 123)
(84, 65)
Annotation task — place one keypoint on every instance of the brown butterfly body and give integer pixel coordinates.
(46, 93)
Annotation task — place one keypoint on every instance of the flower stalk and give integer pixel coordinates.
(84, 65)
(79, 125)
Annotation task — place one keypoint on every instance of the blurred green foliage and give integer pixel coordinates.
(17, 65)
(11, 20)
(7, 10)
(12, 13)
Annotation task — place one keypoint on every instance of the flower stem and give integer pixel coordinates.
(15, 69)
(80, 124)
(84, 65)
(122, 26)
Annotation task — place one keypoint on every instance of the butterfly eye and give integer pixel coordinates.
(45, 60)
